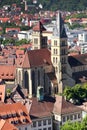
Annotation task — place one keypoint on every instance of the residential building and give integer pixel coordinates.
(64, 111)
(41, 113)
(16, 114)
(25, 35)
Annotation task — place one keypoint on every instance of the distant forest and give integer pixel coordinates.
(64, 5)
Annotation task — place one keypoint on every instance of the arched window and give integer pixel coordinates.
(54, 51)
(26, 80)
(56, 60)
(38, 77)
(33, 83)
(19, 81)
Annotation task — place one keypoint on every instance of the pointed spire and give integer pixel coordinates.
(59, 30)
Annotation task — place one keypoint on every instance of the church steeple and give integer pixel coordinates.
(59, 29)
(59, 51)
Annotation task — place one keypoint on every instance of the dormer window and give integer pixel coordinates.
(9, 115)
(16, 120)
(2, 74)
(13, 113)
(12, 122)
(24, 120)
(0, 93)
(11, 74)
(7, 74)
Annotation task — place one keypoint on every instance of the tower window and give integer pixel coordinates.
(56, 60)
(53, 59)
(55, 43)
(63, 43)
(54, 51)
(35, 41)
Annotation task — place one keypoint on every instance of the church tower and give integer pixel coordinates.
(39, 41)
(59, 52)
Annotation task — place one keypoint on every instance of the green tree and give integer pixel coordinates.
(71, 126)
(77, 93)
(84, 124)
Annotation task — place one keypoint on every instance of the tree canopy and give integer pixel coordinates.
(77, 94)
(69, 5)
(76, 125)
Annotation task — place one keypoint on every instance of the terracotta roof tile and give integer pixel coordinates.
(36, 58)
(5, 125)
(15, 108)
(7, 72)
(62, 106)
(41, 108)
(2, 93)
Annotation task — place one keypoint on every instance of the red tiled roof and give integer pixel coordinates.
(36, 58)
(61, 106)
(2, 93)
(5, 125)
(4, 20)
(41, 109)
(16, 108)
(7, 72)
(9, 29)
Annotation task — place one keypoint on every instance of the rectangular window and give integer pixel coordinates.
(63, 43)
(71, 117)
(67, 117)
(53, 59)
(39, 123)
(35, 41)
(26, 128)
(49, 128)
(75, 117)
(44, 122)
(34, 124)
(55, 43)
(49, 121)
(44, 128)
(64, 119)
(79, 115)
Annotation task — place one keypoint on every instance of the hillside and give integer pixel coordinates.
(66, 5)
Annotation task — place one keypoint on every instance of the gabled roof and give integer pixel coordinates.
(61, 106)
(41, 108)
(18, 92)
(36, 58)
